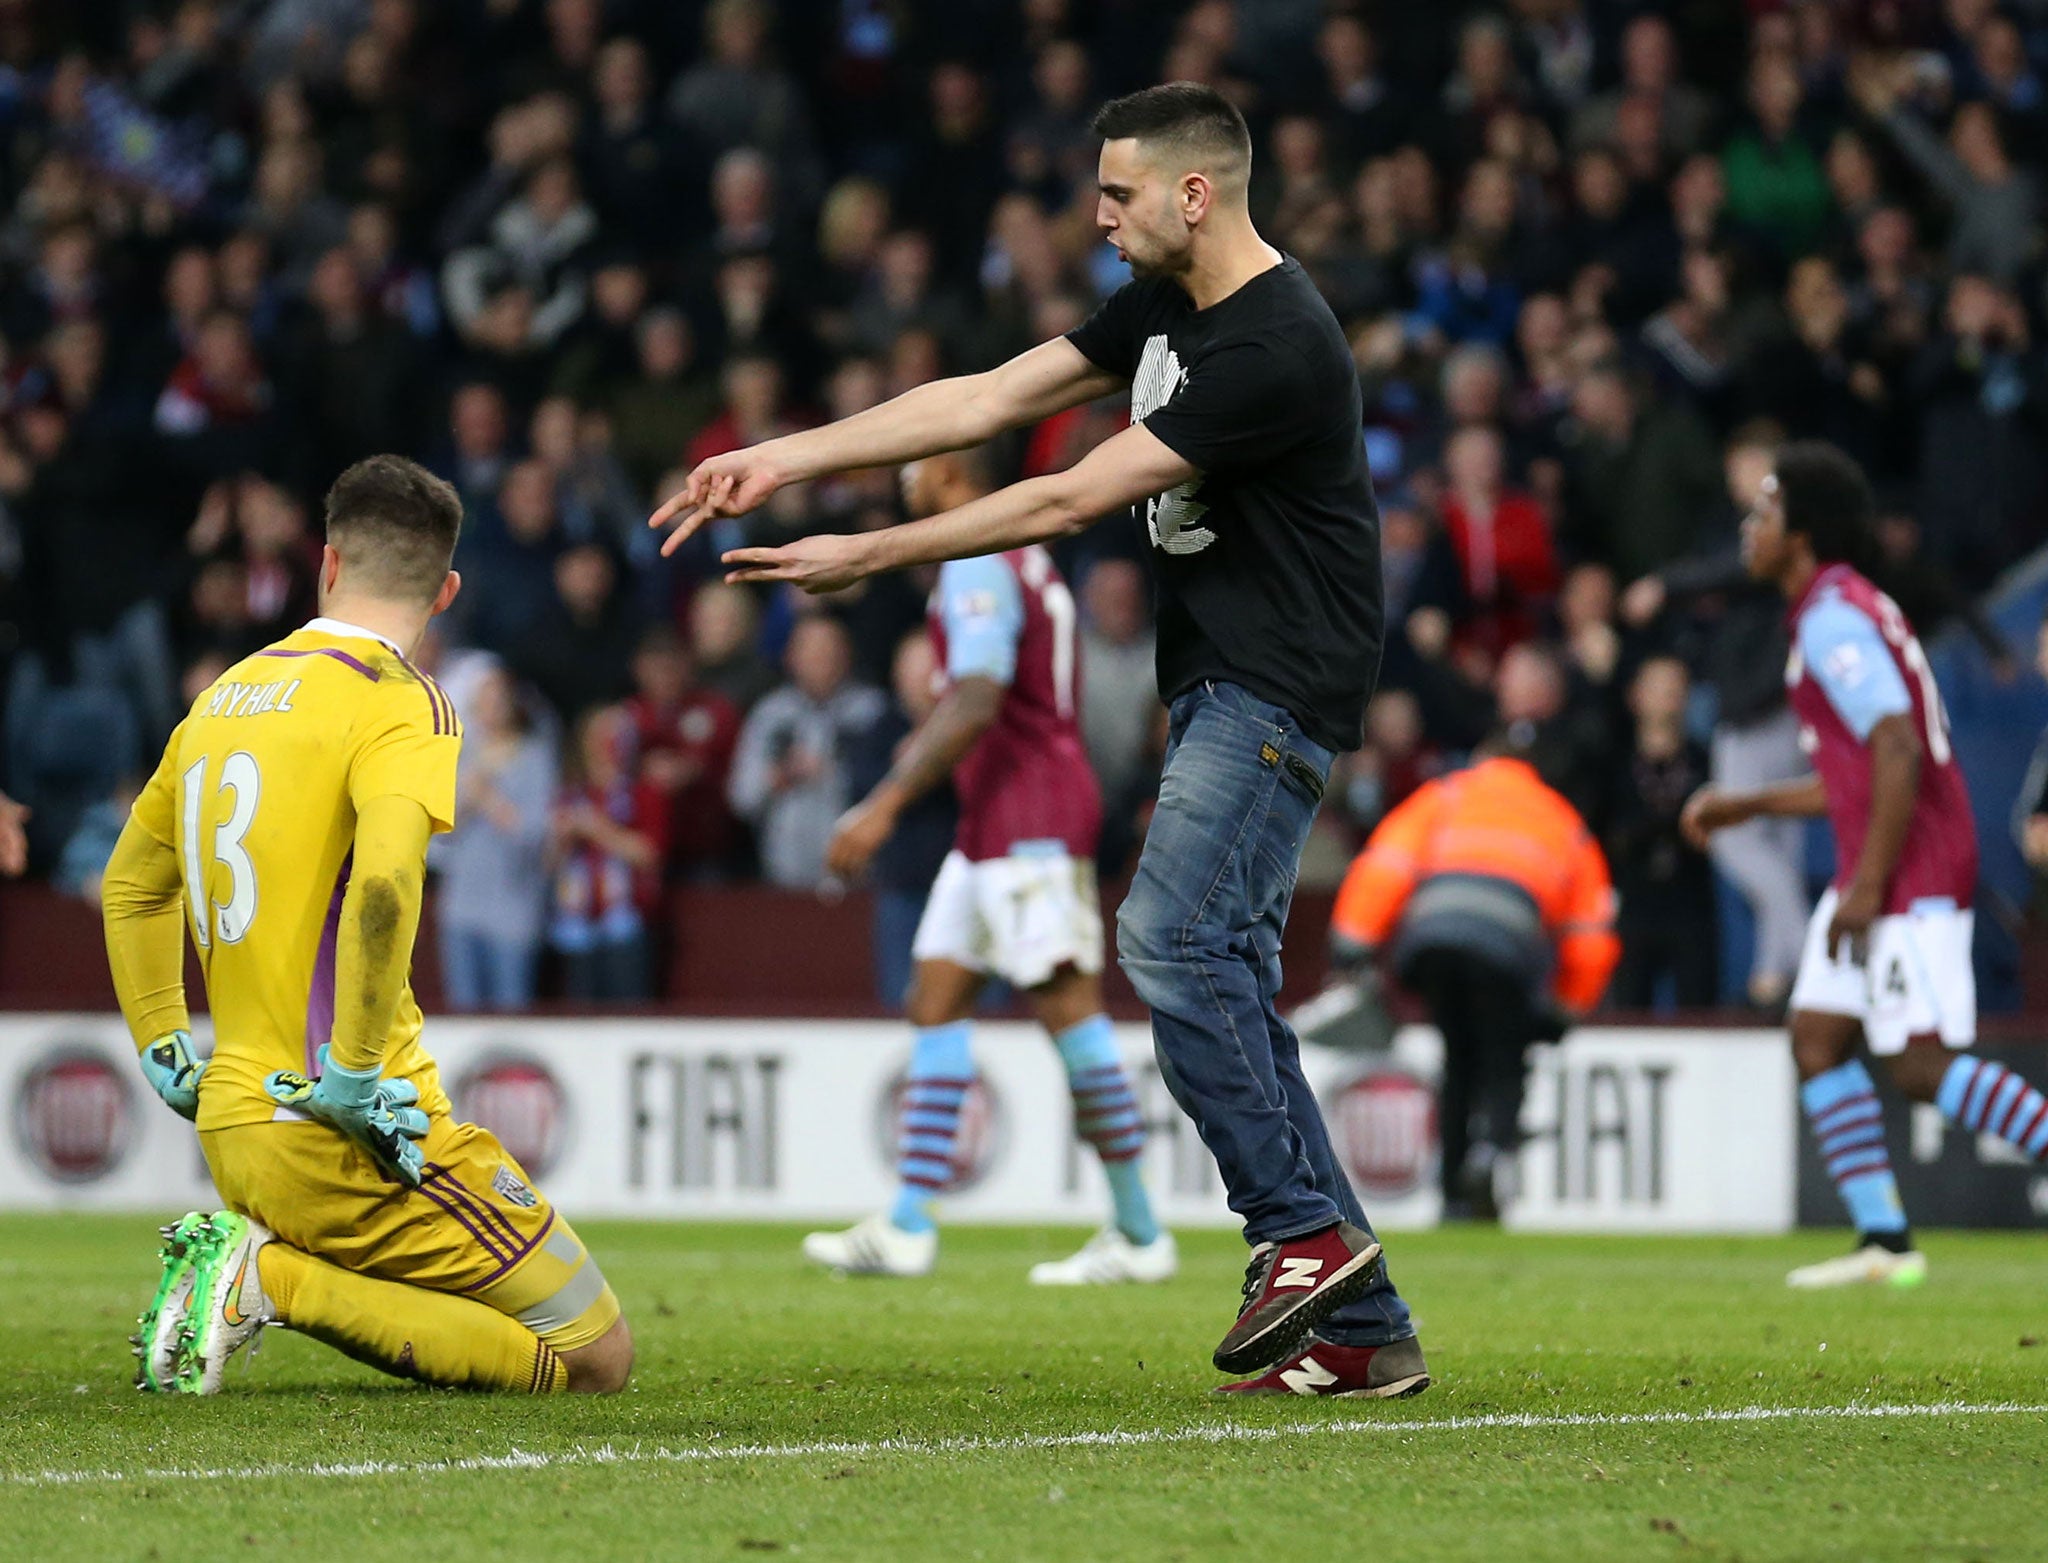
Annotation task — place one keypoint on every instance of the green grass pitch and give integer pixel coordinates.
(1579, 1413)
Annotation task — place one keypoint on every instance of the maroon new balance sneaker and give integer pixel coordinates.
(1290, 1288)
(1389, 1372)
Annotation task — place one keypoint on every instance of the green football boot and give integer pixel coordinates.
(165, 1330)
(227, 1308)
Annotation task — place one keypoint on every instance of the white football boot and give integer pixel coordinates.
(1870, 1265)
(228, 1307)
(877, 1246)
(1110, 1259)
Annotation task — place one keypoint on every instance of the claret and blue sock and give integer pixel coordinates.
(1843, 1108)
(1105, 1115)
(941, 1071)
(1989, 1098)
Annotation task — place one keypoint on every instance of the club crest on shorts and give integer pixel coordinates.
(511, 1188)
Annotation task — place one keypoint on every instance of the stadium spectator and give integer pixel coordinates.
(1120, 710)
(493, 897)
(252, 557)
(903, 868)
(1665, 888)
(1502, 540)
(1994, 204)
(353, 371)
(508, 555)
(1775, 181)
(600, 354)
(737, 96)
(593, 495)
(1558, 728)
(215, 411)
(84, 860)
(633, 164)
(609, 836)
(479, 449)
(685, 736)
(1978, 389)
(789, 776)
(536, 242)
(663, 405)
(724, 624)
(1650, 76)
(580, 651)
(1755, 739)
(1639, 478)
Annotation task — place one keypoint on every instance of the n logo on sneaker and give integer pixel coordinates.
(1307, 1376)
(1297, 1272)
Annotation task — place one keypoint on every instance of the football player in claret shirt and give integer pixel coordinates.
(1887, 955)
(1015, 898)
(286, 829)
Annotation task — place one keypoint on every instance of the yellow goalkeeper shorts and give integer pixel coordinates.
(476, 1226)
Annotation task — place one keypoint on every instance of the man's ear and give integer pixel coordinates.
(330, 568)
(447, 593)
(1197, 195)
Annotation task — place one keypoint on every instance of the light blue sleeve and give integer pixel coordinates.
(1850, 661)
(982, 609)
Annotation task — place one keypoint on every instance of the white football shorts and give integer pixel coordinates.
(1915, 981)
(1020, 918)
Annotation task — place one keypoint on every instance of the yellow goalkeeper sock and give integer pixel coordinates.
(407, 1330)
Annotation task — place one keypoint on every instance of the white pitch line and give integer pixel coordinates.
(1114, 1438)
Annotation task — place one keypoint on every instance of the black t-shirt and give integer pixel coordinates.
(1269, 563)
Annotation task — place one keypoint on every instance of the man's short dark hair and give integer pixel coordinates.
(394, 524)
(1196, 121)
(1827, 500)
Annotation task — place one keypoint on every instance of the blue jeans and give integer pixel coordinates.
(482, 972)
(1199, 937)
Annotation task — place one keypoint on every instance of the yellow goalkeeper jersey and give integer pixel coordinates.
(257, 793)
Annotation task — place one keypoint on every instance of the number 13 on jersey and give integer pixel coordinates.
(236, 790)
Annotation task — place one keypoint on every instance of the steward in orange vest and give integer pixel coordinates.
(1492, 902)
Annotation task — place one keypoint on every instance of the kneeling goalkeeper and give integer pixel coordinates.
(286, 827)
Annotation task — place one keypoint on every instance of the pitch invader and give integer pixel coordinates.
(1015, 898)
(287, 826)
(1888, 949)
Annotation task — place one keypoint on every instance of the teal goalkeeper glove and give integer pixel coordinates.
(381, 1115)
(174, 1073)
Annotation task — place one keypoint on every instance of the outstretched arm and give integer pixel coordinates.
(942, 415)
(1133, 465)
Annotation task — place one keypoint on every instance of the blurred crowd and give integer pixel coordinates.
(1595, 259)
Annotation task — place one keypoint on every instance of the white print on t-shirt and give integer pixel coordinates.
(1169, 517)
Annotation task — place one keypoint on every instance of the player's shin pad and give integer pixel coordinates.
(409, 1331)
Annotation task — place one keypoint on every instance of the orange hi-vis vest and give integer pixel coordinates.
(1494, 820)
